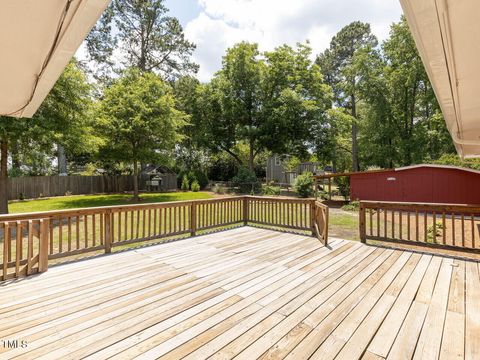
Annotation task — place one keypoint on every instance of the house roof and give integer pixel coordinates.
(37, 40)
(446, 34)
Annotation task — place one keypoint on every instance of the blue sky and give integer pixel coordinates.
(215, 25)
(184, 10)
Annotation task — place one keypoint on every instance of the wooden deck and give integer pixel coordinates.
(247, 293)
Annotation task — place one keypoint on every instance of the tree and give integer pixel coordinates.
(67, 115)
(336, 63)
(138, 120)
(402, 122)
(265, 101)
(62, 119)
(145, 37)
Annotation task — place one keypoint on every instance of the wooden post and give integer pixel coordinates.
(329, 188)
(43, 249)
(362, 225)
(193, 219)
(108, 232)
(313, 216)
(6, 247)
(245, 210)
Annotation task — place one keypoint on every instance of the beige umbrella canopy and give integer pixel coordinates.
(37, 40)
(447, 34)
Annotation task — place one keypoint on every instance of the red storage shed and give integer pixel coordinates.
(419, 183)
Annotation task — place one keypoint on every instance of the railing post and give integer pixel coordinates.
(245, 210)
(43, 248)
(193, 218)
(108, 231)
(313, 215)
(362, 223)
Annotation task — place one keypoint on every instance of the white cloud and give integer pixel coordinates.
(222, 23)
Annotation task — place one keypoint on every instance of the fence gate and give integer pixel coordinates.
(320, 221)
(24, 248)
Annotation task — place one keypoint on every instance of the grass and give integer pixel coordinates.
(343, 224)
(81, 201)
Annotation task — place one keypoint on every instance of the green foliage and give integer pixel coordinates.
(455, 160)
(195, 186)
(304, 185)
(271, 190)
(144, 35)
(185, 183)
(343, 184)
(246, 181)
(193, 175)
(433, 234)
(265, 101)
(138, 120)
(292, 163)
(352, 206)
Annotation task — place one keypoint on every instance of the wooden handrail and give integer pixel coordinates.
(64, 233)
(452, 226)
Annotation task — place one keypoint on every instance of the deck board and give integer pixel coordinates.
(248, 293)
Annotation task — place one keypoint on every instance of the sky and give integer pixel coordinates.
(216, 25)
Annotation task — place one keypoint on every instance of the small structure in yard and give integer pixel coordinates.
(277, 173)
(419, 183)
(156, 178)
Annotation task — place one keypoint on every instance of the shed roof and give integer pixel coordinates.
(37, 40)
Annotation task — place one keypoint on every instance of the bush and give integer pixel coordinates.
(271, 190)
(193, 175)
(304, 185)
(246, 181)
(343, 184)
(185, 183)
(195, 186)
(432, 237)
(352, 206)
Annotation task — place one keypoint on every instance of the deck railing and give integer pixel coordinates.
(67, 233)
(437, 225)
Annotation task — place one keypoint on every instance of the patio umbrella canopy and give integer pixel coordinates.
(37, 40)
(447, 34)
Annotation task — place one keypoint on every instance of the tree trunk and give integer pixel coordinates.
(135, 181)
(15, 153)
(355, 165)
(62, 160)
(251, 157)
(3, 176)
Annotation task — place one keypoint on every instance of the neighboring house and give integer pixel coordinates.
(277, 173)
(158, 178)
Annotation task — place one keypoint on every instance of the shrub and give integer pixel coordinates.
(185, 183)
(193, 175)
(246, 181)
(343, 184)
(432, 237)
(271, 190)
(352, 206)
(304, 185)
(195, 186)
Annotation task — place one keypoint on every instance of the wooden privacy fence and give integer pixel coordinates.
(66, 233)
(437, 225)
(44, 186)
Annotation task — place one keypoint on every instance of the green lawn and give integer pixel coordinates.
(81, 201)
